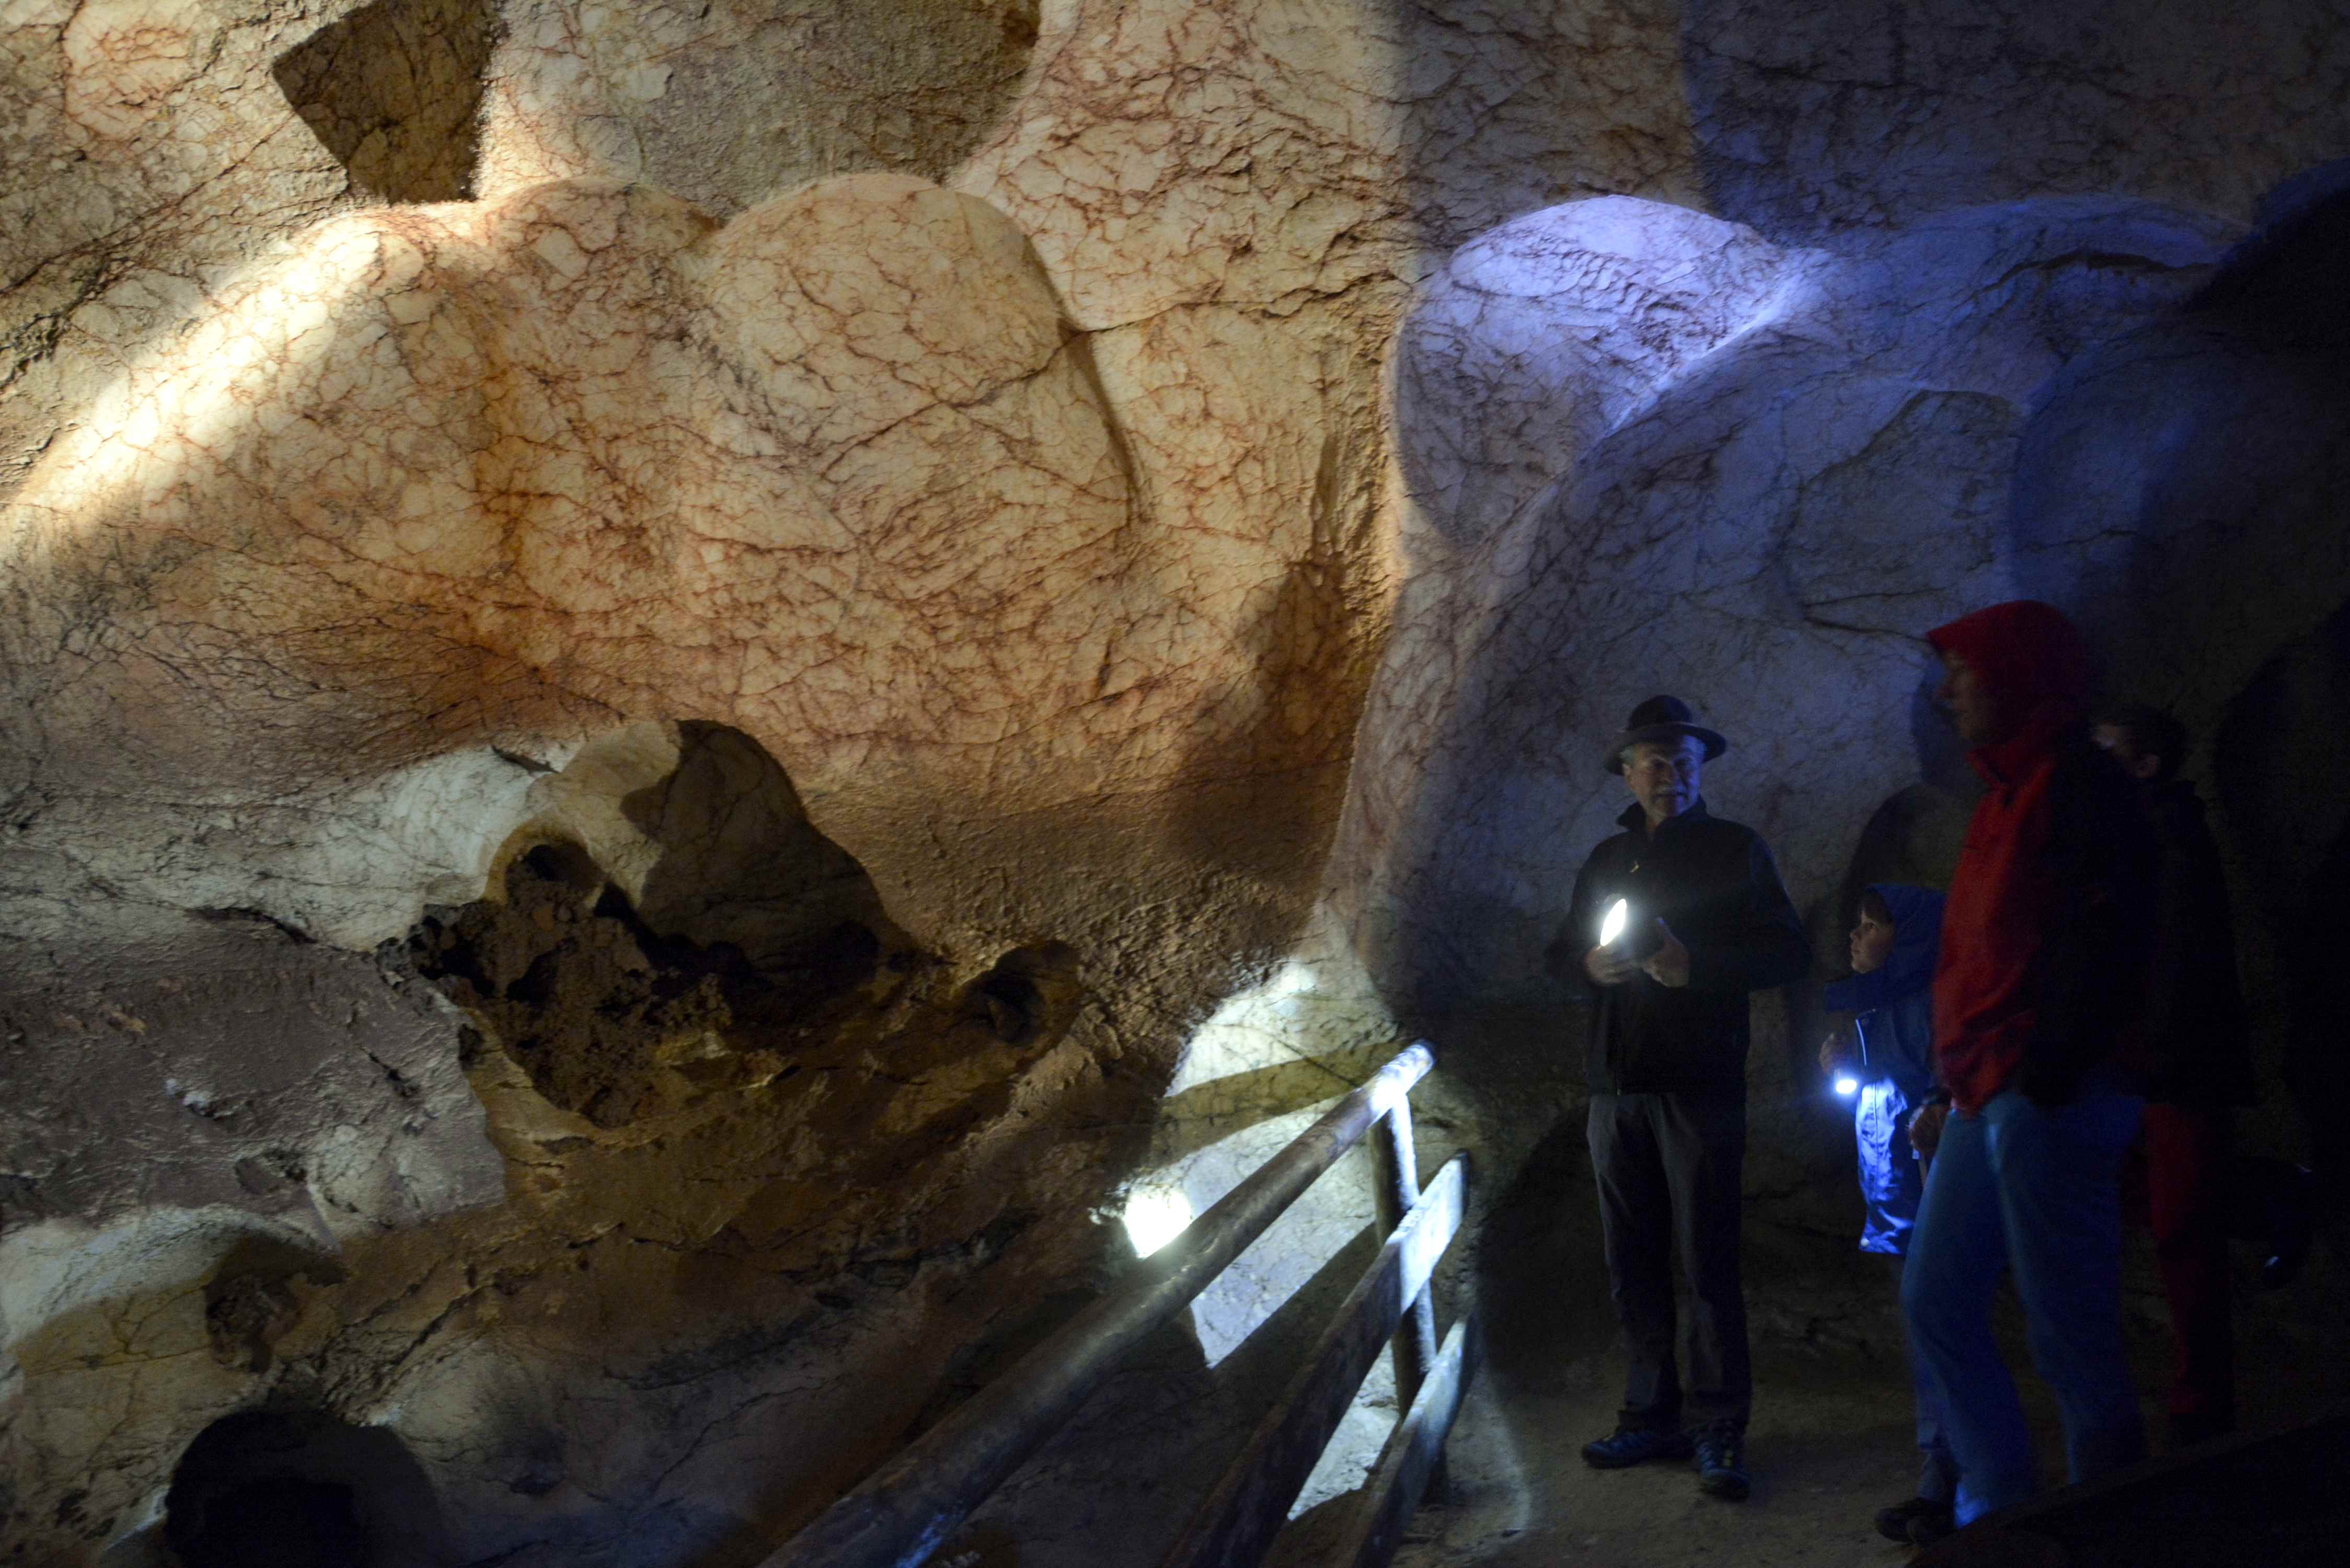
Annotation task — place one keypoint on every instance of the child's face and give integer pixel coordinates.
(1872, 943)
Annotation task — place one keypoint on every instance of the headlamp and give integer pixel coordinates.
(1847, 1085)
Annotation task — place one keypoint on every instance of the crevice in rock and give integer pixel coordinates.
(250, 1302)
(743, 942)
(1030, 991)
(230, 916)
(596, 1004)
(394, 91)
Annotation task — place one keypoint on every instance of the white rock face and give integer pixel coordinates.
(1544, 334)
(1758, 496)
(828, 572)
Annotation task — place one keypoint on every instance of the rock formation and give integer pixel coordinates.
(681, 680)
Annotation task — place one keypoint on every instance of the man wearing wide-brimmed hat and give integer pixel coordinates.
(1678, 918)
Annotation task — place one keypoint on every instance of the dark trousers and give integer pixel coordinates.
(2187, 1169)
(1668, 1170)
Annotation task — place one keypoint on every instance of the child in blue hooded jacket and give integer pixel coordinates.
(1886, 1066)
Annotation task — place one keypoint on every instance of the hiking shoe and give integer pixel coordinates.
(1924, 1529)
(1636, 1446)
(1722, 1463)
(1893, 1523)
(2292, 1226)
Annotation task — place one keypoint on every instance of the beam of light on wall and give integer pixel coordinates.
(1254, 1075)
(206, 416)
(1155, 1216)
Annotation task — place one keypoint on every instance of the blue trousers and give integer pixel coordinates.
(1938, 1468)
(2038, 1192)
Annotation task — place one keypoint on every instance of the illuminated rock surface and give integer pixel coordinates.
(661, 659)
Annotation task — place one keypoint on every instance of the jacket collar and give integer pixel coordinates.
(2005, 762)
(1634, 817)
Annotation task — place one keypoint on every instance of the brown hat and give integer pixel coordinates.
(1662, 719)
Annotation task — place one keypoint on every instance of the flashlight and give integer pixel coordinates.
(1847, 1085)
(1616, 930)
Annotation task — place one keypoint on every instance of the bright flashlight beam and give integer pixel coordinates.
(1156, 1216)
(1619, 913)
(1847, 1086)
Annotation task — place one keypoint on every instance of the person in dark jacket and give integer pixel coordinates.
(2045, 944)
(1684, 916)
(2199, 1066)
(1886, 1064)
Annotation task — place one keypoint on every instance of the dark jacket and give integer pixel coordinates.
(2198, 1052)
(2048, 930)
(1894, 1009)
(1715, 886)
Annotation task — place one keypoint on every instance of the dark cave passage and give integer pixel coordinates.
(298, 1489)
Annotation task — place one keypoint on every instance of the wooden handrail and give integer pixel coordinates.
(902, 1513)
(1247, 1509)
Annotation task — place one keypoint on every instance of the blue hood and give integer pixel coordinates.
(1917, 944)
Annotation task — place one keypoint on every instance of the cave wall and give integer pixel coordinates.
(682, 679)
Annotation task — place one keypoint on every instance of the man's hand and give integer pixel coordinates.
(1836, 1051)
(1670, 964)
(1925, 1127)
(1608, 966)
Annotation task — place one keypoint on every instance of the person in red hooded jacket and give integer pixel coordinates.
(2046, 938)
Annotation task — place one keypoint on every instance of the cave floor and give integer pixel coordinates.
(1830, 1444)
(1831, 1441)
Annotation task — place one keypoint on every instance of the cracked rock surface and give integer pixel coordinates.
(685, 685)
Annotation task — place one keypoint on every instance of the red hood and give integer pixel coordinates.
(2033, 660)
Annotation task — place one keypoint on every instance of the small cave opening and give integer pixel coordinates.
(1030, 992)
(675, 926)
(298, 1489)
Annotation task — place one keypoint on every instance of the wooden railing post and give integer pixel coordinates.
(1237, 1523)
(1409, 1462)
(1396, 1190)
